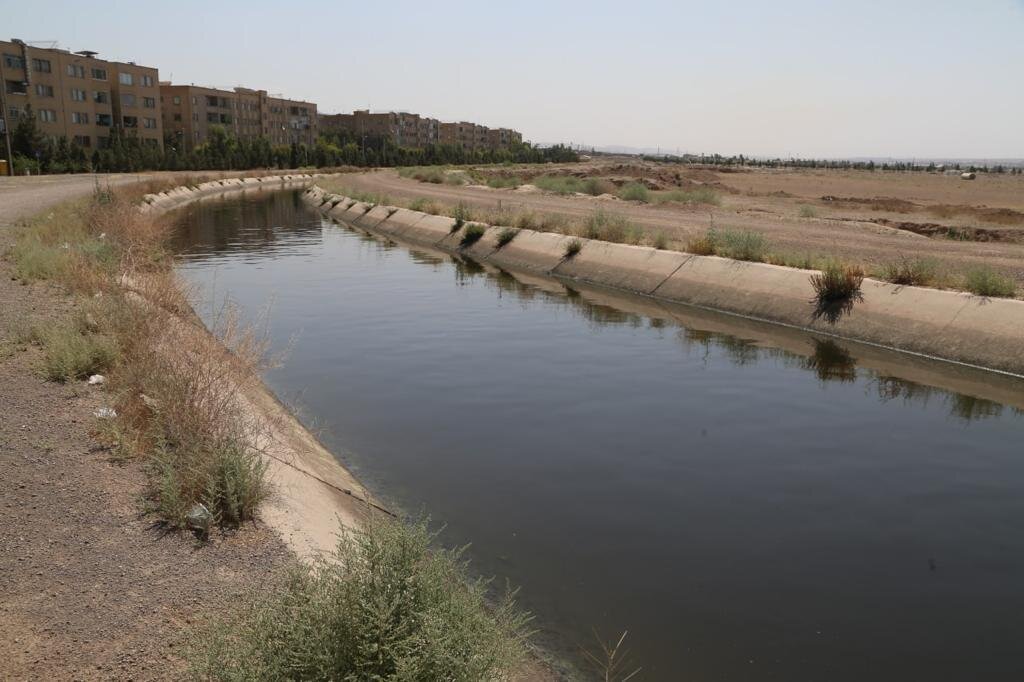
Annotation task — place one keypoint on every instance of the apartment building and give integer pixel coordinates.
(79, 96)
(191, 111)
(412, 130)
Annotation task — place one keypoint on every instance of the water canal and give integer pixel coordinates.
(748, 502)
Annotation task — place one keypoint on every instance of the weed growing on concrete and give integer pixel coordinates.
(985, 281)
(574, 246)
(472, 235)
(386, 605)
(837, 282)
(506, 236)
(462, 214)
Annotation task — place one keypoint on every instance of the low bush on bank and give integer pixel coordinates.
(573, 247)
(910, 271)
(661, 241)
(472, 235)
(175, 394)
(610, 227)
(700, 195)
(384, 606)
(506, 236)
(462, 215)
(837, 282)
(986, 281)
(596, 187)
(559, 184)
(635, 191)
(425, 205)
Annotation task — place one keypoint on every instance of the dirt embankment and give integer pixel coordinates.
(960, 225)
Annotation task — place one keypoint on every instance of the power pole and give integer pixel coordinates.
(5, 121)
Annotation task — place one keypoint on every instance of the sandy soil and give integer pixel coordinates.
(871, 218)
(89, 587)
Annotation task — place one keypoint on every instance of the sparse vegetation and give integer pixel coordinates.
(661, 241)
(700, 195)
(574, 246)
(808, 211)
(506, 236)
(704, 245)
(986, 281)
(635, 191)
(472, 235)
(559, 184)
(596, 187)
(499, 182)
(837, 282)
(739, 244)
(910, 271)
(462, 214)
(385, 606)
(70, 352)
(425, 205)
(610, 227)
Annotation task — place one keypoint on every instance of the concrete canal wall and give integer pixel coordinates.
(953, 326)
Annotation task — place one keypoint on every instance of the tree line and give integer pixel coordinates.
(838, 164)
(36, 153)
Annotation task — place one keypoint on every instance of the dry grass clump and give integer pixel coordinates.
(986, 281)
(175, 393)
(703, 245)
(472, 235)
(573, 247)
(910, 271)
(386, 605)
(559, 184)
(611, 227)
(736, 244)
(808, 211)
(506, 236)
(837, 282)
(635, 191)
(699, 195)
(425, 205)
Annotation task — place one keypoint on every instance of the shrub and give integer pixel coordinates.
(703, 245)
(498, 182)
(383, 606)
(425, 205)
(559, 184)
(661, 241)
(461, 213)
(472, 235)
(985, 281)
(837, 282)
(455, 178)
(807, 211)
(740, 244)
(506, 236)
(596, 187)
(71, 353)
(635, 191)
(573, 247)
(906, 271)
(700, 195)
(610, 227)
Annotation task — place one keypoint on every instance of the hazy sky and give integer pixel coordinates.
(801, 77)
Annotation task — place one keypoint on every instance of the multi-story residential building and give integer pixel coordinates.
(412, 130)
(78, 96)
(190, 111)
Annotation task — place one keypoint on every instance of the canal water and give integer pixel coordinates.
(747, 502)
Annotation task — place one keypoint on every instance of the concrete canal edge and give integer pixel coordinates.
(313, 492)
(986, 333)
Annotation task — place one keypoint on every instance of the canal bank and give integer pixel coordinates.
(957, 327)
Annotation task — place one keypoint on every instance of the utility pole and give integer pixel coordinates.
(4, 121)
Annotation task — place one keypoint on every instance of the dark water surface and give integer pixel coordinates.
(748, 503)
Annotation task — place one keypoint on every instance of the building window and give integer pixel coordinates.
(149, 123)
(177, 100)
(125, 79)
(47, 115)
(77, 95)
(82, 140)
(16, 87)
(14, 113)
(194, 101)
(41, 65)
(99, 74)
(13, 61)
(149, 102)
(212, 118)
(147, 81)
(130, 121)
(177, 118)
(76, 70)
(104, 120)
(195, 116)
(79, 117)
(44, 90)
(127, 100)
(100, 97)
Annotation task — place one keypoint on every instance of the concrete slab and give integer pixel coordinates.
(636, 268)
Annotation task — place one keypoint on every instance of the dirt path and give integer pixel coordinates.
(89, 587)
(854, 237)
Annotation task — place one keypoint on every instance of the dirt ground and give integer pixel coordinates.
(868, 217)
(90, 588)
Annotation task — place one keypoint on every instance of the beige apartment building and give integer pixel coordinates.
(190, 111)
(412, 130)
(79, 96)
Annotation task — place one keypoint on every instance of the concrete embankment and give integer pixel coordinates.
(952, 326)
(312, 491)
